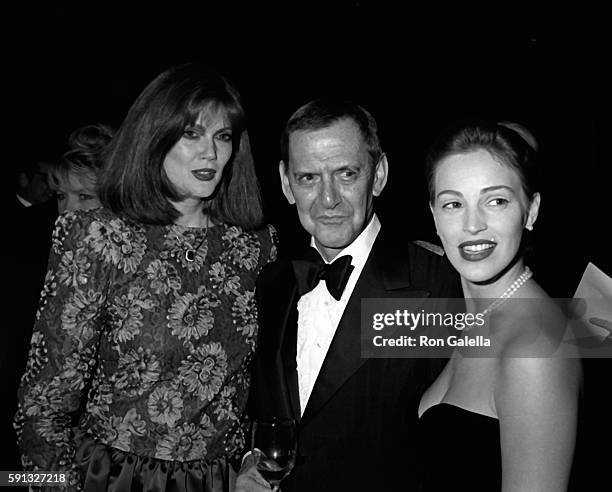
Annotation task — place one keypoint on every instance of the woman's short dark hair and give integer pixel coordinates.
(322, 113)
(86, 154)
(134, 182)
(509, 146)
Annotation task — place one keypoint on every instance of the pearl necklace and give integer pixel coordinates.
(510, 291)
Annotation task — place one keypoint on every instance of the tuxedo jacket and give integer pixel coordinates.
(358, 430)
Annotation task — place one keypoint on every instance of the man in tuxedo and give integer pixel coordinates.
(356, 417)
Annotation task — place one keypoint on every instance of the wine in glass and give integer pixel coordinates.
(274, 441)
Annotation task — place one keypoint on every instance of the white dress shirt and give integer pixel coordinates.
(319, 313)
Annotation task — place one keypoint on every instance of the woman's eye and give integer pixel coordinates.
(451, 205)
(85, 197)
(191, 134)
(499, 201)
(225, 137)
(60, 196)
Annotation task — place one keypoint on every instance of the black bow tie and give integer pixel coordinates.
(308, 273)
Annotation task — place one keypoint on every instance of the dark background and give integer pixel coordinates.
(415, 71)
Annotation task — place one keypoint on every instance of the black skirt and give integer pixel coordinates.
(108, 469)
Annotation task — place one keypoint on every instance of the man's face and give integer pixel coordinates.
(332, 181)
(35, 188)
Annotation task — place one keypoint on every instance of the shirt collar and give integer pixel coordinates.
(23, 201)
(360, 248)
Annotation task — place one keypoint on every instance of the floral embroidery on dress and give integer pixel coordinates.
(37, 357)
(48, 290)
(191, 315)
(63, 225)
(244, 310)
(117, 243)
(73, 267)
(225, 407)
(137, 371)
(184, 443)
(100, 399)
(203, 371)
(243, 250)
(165, 405)
(163, 276)
(78, 317)
(146, 339)
(75, 366)
(126, 313)
(224, 279)
(41, 398)
(121, 430)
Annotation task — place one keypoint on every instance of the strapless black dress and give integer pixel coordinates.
(461, 450)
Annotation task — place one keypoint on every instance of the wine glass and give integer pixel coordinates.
(274, 441)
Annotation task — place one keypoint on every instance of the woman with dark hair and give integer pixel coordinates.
(74, 179)
(138, 370)
(501, 417)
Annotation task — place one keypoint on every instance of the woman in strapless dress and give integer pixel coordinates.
(504, 419)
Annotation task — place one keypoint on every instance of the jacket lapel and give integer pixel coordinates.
(288, 355)
(282, 305)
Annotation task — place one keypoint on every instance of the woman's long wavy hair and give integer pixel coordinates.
(134, 182)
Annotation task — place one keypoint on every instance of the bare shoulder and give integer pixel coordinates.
(536, 402)
(534, 370)
(530, 326)
(532, 382)
(535, 394)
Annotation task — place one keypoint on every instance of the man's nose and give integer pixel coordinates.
(473, 221)
(330, 196)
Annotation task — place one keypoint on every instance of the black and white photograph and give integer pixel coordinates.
(211, 199)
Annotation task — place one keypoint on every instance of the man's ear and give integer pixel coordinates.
(282, 171)
(532, 213)
(380, 175)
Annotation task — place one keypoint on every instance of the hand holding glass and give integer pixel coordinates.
(275, 442)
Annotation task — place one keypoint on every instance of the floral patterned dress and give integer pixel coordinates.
(138, 369)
